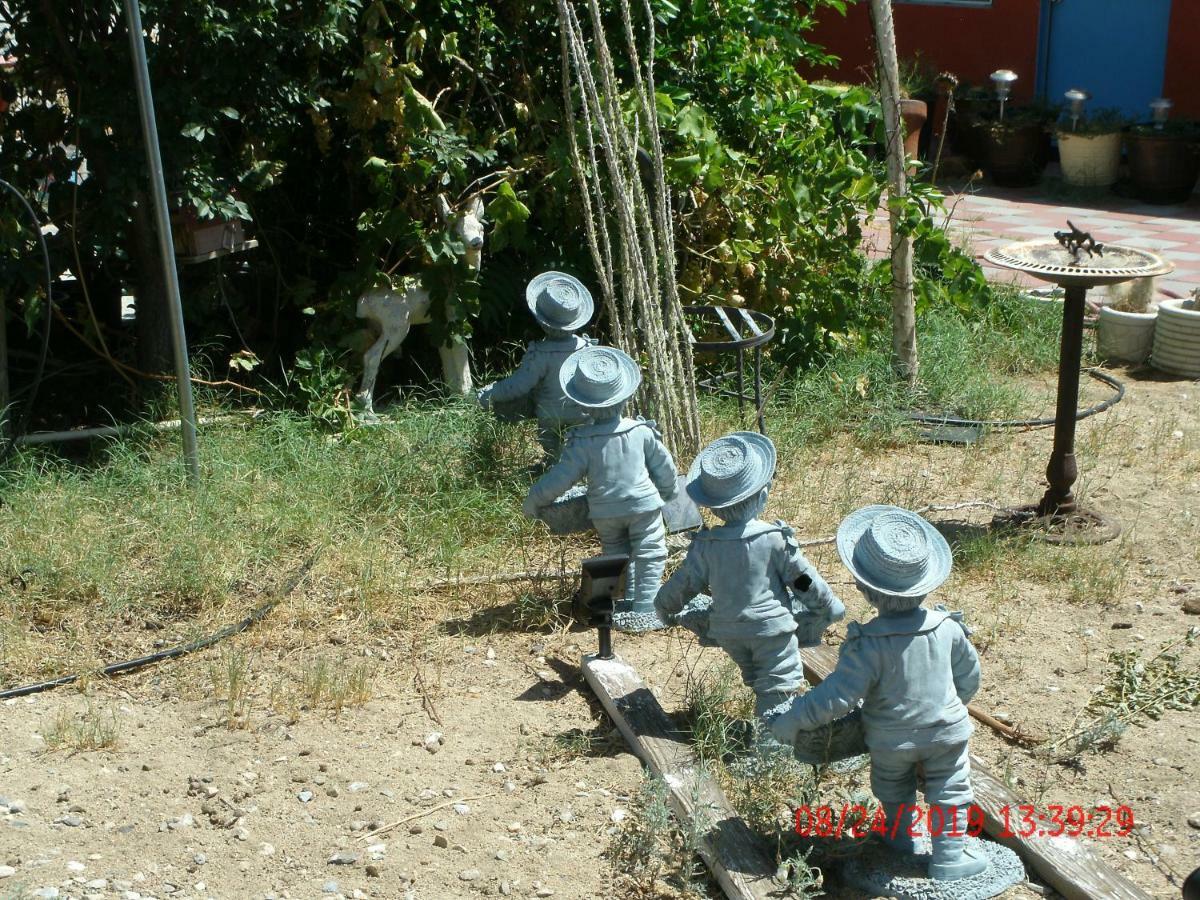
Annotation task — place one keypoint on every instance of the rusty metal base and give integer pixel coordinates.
(1076, 528)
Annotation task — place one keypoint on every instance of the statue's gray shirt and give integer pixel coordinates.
(749, 569)
(627, 468)
(538, 375)
(914, 674)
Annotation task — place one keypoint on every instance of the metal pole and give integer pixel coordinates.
(1062, 470)
(183, 375)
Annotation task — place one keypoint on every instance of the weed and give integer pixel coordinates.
(638, 853)
(93, 729)
(230, 677)
(336, 685)
(717, 709)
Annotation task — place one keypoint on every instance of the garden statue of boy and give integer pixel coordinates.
(562, 306)
(913, 670)
(750, 567)
(628, 470)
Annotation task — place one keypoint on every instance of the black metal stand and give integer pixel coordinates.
(752, 330)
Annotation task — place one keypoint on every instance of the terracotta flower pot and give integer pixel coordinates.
(1089, 160)
(1164, 166)
(914, 113)
(1015, 152)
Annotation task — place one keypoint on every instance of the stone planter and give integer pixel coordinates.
(1124, 337)
(1177, 339)
(1164, 166)
(1089, 160)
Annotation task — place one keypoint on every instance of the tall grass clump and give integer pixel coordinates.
(119, 534)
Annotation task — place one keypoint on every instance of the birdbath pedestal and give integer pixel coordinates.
(1076, 262)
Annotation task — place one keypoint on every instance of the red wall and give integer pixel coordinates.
(969, 42)
(1182, 81)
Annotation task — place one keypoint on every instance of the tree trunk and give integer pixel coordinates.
(153, 327)
(904, 324)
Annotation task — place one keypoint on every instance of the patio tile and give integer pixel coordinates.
(1181, 256)
(1151, 243)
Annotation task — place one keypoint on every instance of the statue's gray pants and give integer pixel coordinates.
(644, 537)
(947, 774)
(770, 665)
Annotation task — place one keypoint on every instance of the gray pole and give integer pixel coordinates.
(183, 375)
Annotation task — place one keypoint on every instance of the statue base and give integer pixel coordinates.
(881, 872)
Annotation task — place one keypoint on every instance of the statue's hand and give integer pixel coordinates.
(531, 509)
(783, 728)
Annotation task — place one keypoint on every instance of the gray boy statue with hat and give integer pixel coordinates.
(753, 569)
(562, 306)
(628, 470)
(913, 670)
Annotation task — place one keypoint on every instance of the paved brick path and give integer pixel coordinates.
(988, 216)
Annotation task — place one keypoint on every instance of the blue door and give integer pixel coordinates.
(1116, 49)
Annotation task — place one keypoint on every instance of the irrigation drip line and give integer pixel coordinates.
(45, 351)
(1115, 383)
(141, 662)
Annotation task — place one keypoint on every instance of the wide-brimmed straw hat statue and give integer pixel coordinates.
(596, 377)
(893, 551)
(731, 469)
(560, 301)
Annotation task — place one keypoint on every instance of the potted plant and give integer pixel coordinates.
(973, 108)
(916, 89)
(1164, 160)
(1016, 147)
(1125, 329)
(1177, 337)
(1089, 148)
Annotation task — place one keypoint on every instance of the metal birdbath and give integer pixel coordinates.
(1076, 262)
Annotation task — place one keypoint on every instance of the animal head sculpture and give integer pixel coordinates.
(467, 226)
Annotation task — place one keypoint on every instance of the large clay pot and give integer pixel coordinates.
(1016, 153)
(914, 113)
(1124, 337)
(1164, 166)
(1089, 160)
(1177, 339)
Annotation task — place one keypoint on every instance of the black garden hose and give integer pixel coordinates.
(41, 365)
(131, 665)
(1115, 383)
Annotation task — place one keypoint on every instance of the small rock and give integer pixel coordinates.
(514, 827)
(462, 809)
(358, 825)
(618, 815)
(304, 796)
(373, 870)
(330, 887)
(46, 893)
(1130, 853)
(499, 767)
(566, 814)
(343, 858)
(199, 859)
(544, 892)
(184, 821)
(69, 821)
(97, 884)
(441, 841)
(503, 855)
(242, 834)
(16, 807)
(1161, 761)
(433, 741)
(416, 828)
(355, 786)
(505, 888)
(75, 866)
(1192, 606)
(7, 871)
(469, 875)
(1117, 626)
(1194, 820)
(266, 849)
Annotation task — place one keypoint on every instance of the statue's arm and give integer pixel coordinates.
(814, 592)
(661, 467)
(570, 469)
(964, 663)
(685, 583)
(522, 381)
(836, 696)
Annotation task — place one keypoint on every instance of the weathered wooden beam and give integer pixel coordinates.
(1066, 864)
(736, 856)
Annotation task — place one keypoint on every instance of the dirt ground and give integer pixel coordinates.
(528, 782)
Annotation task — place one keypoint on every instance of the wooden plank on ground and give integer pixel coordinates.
(736, 856)
(1067, 864)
